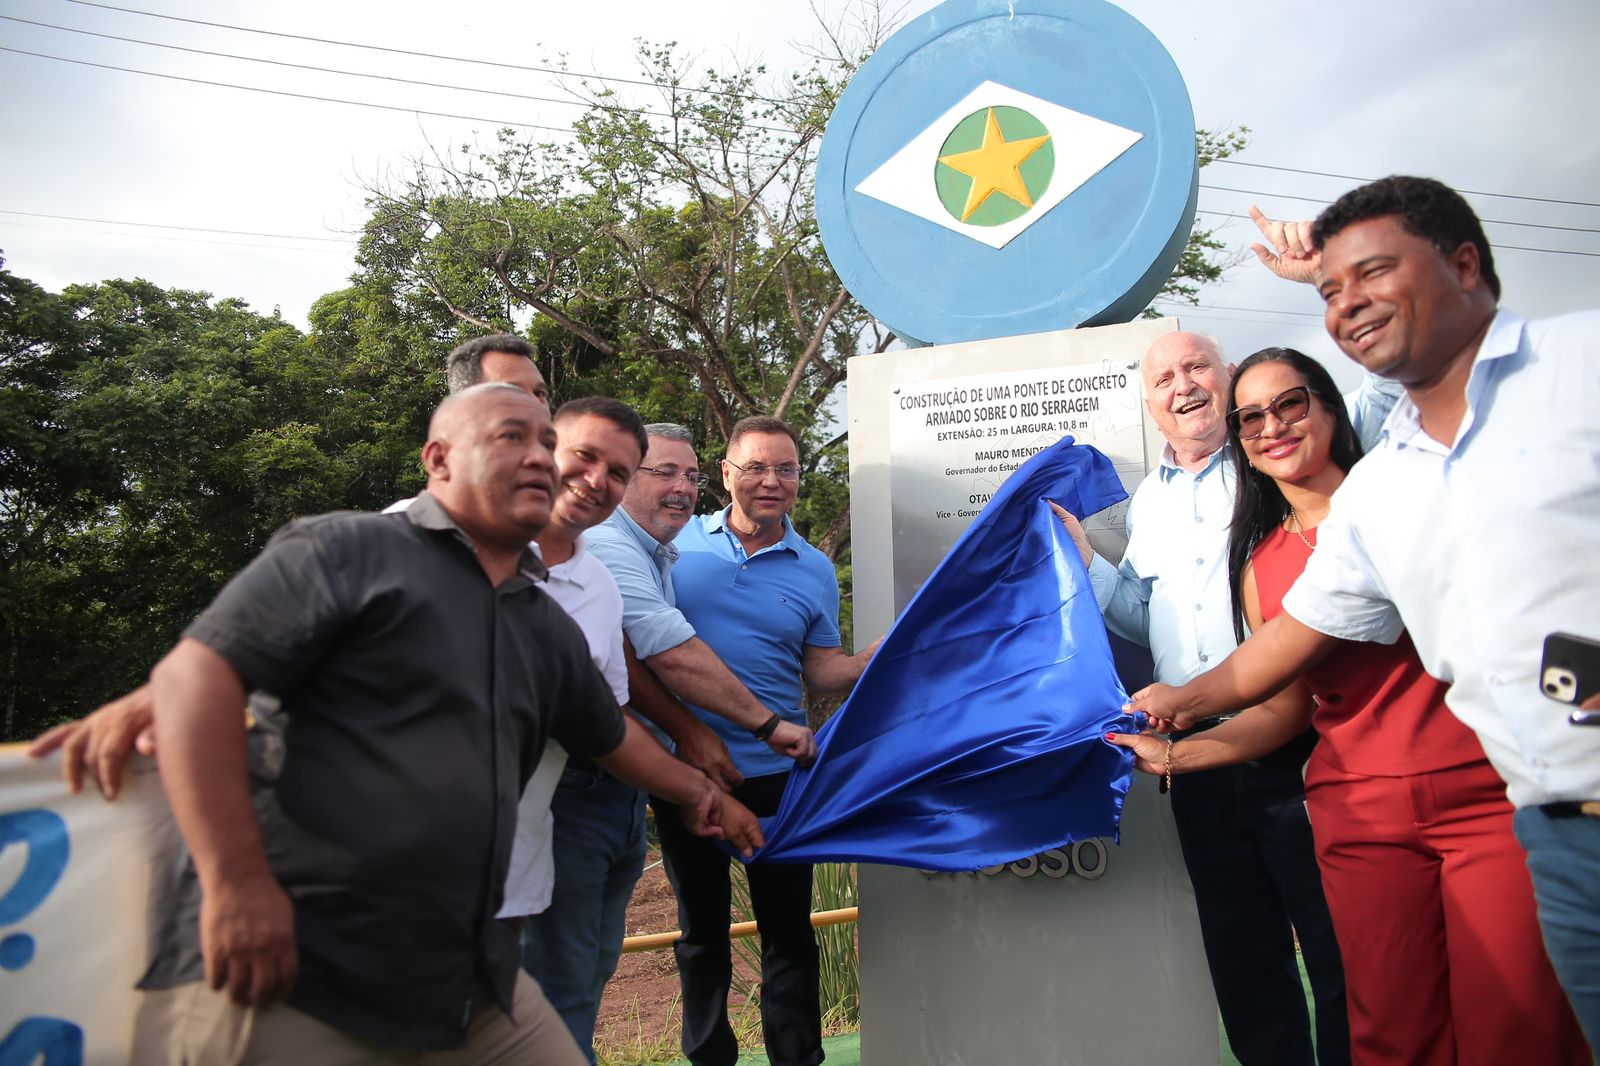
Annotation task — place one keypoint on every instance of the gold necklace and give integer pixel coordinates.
(1297, 530)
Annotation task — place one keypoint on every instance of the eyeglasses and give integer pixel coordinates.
(1288, 407)
(670, 474)
(785, 471)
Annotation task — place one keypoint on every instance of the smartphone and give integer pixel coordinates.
(1570, 673)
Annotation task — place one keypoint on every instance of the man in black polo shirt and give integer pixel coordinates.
(353, 858)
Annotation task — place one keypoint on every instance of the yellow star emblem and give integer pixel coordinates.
(994, 167)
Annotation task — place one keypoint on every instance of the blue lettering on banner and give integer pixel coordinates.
(46, 836)
(59, 1041)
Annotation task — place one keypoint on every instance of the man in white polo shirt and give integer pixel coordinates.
(1472, 525)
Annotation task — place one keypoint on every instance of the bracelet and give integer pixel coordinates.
(1166, 769)
(767, 728)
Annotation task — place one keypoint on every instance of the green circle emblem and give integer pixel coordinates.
(994, 166)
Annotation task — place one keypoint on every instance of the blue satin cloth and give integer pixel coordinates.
(977, 733)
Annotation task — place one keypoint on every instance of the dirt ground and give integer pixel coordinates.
(641, 1001)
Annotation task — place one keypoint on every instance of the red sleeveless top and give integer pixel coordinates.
(1379, 713)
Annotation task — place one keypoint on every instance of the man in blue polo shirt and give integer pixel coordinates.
(767, 603)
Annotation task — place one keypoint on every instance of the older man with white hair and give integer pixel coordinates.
(1244, 831)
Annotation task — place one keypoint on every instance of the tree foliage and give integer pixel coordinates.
(666, 253)
(152, 440)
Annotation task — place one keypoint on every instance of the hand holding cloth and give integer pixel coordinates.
(976, 734)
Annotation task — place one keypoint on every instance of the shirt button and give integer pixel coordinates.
(746, 566)
(1204, 657)
(1199, 562)
(1199, 518)
(1197, 607)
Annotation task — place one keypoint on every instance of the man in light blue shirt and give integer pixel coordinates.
(1471, 525)
(635, 544)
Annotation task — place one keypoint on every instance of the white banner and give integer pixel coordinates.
(78, 877)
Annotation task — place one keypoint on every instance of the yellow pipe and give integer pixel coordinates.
(651, 941)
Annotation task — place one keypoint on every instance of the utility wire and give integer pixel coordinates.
(424, 55)
(1496, 245)
(363, 74)
(1353, 177)
(567, 131)
(163, 225)
(1487, 221)
(557, 72)
(160, 237)
(1550, 251)
(1179, 313)
(1220, 307)
(284, 92)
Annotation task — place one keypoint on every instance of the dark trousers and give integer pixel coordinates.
(791, 1020)
(1247, 844)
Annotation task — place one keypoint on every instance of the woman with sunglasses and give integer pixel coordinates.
(1431, 901)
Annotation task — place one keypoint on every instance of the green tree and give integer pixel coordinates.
(668, 254)
(152, 440)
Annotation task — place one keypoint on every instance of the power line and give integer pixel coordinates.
(1550, 251)
(595, 76)
(1353, 177)
(284, 92)
(1486, 221)
(362, 74)
(163, 225)
(1220, 307)
(1223, 318)
(1496, 245)
(769, 157)
(160, 237)
(424, 55)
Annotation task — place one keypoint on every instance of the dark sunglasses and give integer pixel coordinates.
(1288, 407)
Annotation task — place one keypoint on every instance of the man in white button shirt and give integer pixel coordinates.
(1472, 525)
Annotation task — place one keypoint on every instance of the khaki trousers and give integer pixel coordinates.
(193, 1026)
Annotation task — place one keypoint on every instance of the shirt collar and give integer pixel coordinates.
(1171, 468)
(1504, 337)
(426, 512)
(650, 545)
(570, 571)
(719, 523)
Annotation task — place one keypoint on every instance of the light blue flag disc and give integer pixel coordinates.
(1000, 169)
(976, 735)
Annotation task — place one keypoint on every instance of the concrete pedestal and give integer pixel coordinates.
(1090, 957)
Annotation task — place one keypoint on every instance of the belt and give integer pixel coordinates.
(1573, 809)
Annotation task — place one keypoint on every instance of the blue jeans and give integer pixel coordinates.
(571, 948)
(1564, 858)
(1248, 848)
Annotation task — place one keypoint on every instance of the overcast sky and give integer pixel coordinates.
(1488, 96)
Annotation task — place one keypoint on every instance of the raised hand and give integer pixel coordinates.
(1288, 252)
